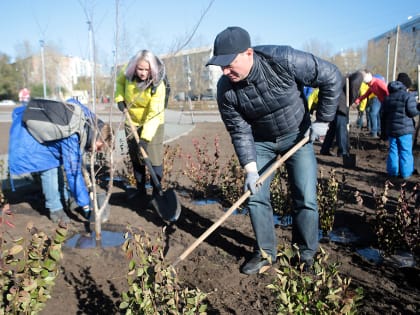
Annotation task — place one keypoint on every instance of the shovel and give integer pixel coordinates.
(166, 202)
(263, 177)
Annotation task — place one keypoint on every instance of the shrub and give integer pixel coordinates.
(28, 271)
(327, 201)
(324, 292)
(170, 155)
(154, 287)
(399, 229)
(203, 168)
(281, 199)
(231, 182)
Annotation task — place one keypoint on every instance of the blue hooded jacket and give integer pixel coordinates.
(26, 155)
(398, 110)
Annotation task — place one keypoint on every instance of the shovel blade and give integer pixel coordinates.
(167, 205)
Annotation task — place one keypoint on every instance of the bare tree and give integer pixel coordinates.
(349, 60)
(319, 49)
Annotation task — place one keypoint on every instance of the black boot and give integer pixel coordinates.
(255, 264)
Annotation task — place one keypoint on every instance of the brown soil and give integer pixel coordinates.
(92, 279)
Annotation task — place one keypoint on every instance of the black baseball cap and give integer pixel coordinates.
(228, 44)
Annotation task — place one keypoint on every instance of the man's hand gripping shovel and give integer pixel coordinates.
(165, 202)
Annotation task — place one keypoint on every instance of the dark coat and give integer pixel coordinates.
(398, 110)
(270, 102)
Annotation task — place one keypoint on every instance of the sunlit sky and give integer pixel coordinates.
(163, 25)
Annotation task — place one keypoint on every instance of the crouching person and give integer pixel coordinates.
(48, 137)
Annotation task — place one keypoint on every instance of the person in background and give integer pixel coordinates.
(27, 155)
(398, 112)
(141, 90)
(338, 127)
(262, 104)
(312, 99)
(24, 96)
(378, 87)
(363, 108)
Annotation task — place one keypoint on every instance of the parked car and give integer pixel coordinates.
(7, 103)
(207, 97)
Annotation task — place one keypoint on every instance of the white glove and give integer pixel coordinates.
(251, 178)
(318, 129)
(251, 182)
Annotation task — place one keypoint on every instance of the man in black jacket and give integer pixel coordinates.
(338, 127)
(261, 101)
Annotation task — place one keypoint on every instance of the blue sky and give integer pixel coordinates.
(162, 25)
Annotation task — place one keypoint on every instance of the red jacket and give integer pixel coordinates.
(377, 87)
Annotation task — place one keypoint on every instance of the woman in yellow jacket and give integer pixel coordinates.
(141, 89)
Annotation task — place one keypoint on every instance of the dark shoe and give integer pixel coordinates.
(326, 153)
(255, 264)
(59, 216)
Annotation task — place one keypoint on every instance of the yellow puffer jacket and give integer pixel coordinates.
(145, 109)
(363, 88)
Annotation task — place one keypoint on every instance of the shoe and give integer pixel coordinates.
(255, 264)
(326, 153)
(59, 216)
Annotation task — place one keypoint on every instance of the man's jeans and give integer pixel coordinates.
(302, 175)
(54, 189)
(374, 115)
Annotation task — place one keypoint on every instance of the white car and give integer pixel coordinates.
(7, 103)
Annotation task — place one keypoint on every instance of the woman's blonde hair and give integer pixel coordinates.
(157, 69)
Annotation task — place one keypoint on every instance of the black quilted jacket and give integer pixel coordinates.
(270, 103)
(398, 110)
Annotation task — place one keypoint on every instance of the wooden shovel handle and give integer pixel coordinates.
(263, 177)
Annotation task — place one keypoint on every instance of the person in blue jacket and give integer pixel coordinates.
(398, 112)
(27, 155)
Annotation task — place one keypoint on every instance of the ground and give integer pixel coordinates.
(91, 279)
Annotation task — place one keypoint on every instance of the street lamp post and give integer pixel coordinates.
(92, 64)
(41, 42)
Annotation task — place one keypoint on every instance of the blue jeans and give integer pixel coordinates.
(400, 159)
(54, 188)
(302, 174)
(359, 121)
(374, 115)
(338, 130)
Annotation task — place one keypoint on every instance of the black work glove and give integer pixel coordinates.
(143, 144)
(122, 106)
